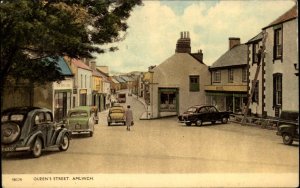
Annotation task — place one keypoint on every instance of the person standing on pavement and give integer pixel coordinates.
(129, 117)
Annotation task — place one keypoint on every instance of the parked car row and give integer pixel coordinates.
(33, 129)
(287, 123)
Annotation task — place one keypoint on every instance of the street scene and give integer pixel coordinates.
(164, 146)
(99, 89)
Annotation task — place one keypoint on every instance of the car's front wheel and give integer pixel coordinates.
(287, 138)
(37, 148)
(199, 122)
(224, 120)
(65, 143)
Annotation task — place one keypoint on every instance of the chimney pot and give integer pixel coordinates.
(181, 34)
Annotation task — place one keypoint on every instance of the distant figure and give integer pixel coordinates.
(129, 117)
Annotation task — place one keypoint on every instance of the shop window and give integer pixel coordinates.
(168, 101)
(194, 83)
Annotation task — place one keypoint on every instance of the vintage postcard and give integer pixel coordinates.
(167, 93)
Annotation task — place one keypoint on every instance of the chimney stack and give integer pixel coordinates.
(234, 41)
(184, 43)
(93, 65)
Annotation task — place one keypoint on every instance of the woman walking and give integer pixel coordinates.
(129, 117)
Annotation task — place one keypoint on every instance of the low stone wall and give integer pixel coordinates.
(264, 123)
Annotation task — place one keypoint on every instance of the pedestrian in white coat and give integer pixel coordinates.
(129, 117)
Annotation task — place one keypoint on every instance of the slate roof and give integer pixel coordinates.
(289, 15)
(256, 38)
(234, 57)
(127, 78)
(114, 80)
(62, 64)
(96, 73)
(78, 63)
(119, 79)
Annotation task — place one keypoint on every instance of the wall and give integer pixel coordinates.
(174, 73)
(290, 89)
(255, 108)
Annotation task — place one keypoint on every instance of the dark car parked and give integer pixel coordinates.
(203, 113)
(288, 126)
(31, 129)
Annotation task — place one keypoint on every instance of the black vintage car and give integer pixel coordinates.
(288, 127)
(203, 113)
(31, 129)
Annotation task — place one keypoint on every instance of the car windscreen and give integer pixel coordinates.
(78, 114)
(192, 109)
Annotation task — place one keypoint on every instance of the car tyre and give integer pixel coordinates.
(91, 134)
(37, 148)
(213, 122)
(287, 138)
(224, 120)
(198, 122)
(65, 143)
(108, 123)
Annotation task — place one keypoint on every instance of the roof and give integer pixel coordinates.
(289, 15)
(233, 57)
(114, 80)
(102, 73)
(62, 64)
(119, 79)
(127, 78)
(256, 38)
(96, 73)
(78, 63)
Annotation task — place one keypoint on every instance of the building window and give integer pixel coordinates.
(85, 81)
(278, 43)
(194, 83)
(256, 91)
(230, 75)
(168, 101)
(217, 76)
(244, 74)
(255, 49)
(277, 89)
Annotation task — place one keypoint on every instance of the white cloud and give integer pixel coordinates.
(155, 28)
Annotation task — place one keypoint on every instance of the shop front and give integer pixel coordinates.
(168, 103)
(62, 99)
(226, 101)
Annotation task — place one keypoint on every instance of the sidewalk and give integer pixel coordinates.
(144, 115)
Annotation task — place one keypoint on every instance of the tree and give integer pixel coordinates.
(34, 29)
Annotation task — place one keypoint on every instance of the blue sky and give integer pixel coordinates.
(155, 28)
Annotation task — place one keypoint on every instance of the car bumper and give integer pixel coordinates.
(184, 121)
(13, 148)
(116, 121)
